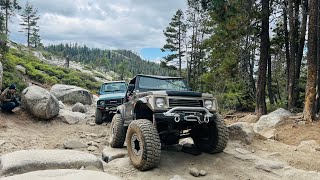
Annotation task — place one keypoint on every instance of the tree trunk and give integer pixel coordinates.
(286, 33)
(270, 93)
(261, 108)
(7, 17)
(302, 38)
(309, 108)
(180, 59)
(293, 40)
(318, 60)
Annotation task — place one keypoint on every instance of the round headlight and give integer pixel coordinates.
(208, 104)
(102, 103)
(160, 102)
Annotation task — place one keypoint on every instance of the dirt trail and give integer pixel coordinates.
(22, 131)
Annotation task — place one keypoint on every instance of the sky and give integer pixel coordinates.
(136, 25)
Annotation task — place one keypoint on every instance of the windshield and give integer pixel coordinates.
(162, 84)
(112, 87)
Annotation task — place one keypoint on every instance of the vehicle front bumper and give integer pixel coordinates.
(107, 109)
(185, 114)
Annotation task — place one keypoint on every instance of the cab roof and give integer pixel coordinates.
(159, 77)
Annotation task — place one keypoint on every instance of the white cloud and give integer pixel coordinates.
(127, 24)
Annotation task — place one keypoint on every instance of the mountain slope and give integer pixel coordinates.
(109, 60)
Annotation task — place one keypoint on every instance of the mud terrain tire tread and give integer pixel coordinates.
(219, 143)
(150, 140)
(119, 137)
(98, 119)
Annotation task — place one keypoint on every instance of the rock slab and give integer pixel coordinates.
(40, 102)
(24, 161)
(70, 117)
(71, 94)
(63, 174)
(241, 131)
(79, 107)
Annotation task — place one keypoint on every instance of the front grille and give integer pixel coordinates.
(113, 102)
(185, 103)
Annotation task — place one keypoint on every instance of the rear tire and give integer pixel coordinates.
(117, 132)
(213, 138)
(143, 144)
(99, 116)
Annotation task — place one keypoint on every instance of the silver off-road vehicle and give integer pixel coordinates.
(161, 110)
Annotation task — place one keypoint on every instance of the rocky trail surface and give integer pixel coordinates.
(260, 158)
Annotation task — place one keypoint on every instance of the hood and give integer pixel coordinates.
(182, 93)
(112, 96)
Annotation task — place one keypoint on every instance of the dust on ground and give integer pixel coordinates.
(22, 131)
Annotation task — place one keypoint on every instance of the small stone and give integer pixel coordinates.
(83, 136)
(2, 142)
(302, 122)
(92, 148)
(317, 149)
(92, 124)
(82, 168)
(194, 172)
(97, 141)
(92, 143)
(264, 149)
(203, 173)
(102, 135)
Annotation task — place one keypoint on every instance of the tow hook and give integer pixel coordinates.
(176, 117)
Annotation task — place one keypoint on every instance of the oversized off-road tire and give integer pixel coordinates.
(211, 138)
(143, 143)
(117, 132)
(99, 116)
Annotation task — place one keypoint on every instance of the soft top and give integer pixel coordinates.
(114, 82)
(159, 77)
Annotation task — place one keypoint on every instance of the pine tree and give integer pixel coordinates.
(261, 107)
(310, 98)
(8, 6)
(35, 40)
(29, 22)
(175, 34)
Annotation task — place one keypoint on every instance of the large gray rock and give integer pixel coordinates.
(1, 75)
(40, 102)
(79, 107)
(71, 94)
(271, 120)
(109, 154)
(241, 131)
(308, 146)
(63, 174)
(21, 69)
(70, 117)
(32, 160)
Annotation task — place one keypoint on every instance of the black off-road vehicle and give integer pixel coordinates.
(161, 110)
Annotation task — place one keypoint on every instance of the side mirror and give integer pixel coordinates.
(130, 87)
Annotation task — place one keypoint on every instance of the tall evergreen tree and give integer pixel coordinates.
(310, 98)
(261, 107)
(29, 21)
(175, 34)
(8, 6)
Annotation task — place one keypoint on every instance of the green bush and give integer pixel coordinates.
(43, 73)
